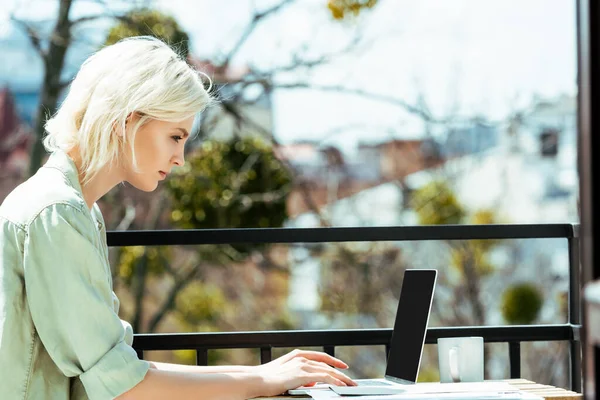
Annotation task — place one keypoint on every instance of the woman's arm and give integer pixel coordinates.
(200, 369)
(161, 384)
(295, 369)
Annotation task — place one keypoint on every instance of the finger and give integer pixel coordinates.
(322, 357)
(328, 379)
(319, 367)
(288, 356)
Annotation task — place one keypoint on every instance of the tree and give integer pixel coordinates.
(53, 58)
(148, 22)
(232, 184)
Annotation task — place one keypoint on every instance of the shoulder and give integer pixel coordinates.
(50, 190)
(61, 232)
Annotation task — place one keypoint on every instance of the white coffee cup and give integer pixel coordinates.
(460, 359)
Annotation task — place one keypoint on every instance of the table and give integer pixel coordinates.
(547, 391)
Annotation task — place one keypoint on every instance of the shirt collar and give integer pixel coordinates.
(61, 161)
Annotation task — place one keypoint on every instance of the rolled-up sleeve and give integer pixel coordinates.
(70, 298)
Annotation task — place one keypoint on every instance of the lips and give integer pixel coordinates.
(163, 174)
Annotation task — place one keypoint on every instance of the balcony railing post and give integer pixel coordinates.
(514, 358)
(202, 356)
(329, 350)
(265, 355)
(574, 311)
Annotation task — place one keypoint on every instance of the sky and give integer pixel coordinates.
(461, 57)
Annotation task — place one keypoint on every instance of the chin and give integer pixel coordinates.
(144, 186)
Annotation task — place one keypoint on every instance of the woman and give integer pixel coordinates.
(126, 118)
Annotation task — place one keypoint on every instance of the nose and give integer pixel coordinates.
(179, 159)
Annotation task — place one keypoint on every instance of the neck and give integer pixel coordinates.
(100, 184)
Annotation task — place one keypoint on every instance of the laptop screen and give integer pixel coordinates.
(410, 328)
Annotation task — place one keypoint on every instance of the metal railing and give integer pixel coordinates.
(330, 339)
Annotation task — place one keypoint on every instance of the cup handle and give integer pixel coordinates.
(453, 363)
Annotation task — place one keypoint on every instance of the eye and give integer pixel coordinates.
(177, 138)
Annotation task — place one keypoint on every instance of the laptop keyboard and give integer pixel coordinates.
(369, 382)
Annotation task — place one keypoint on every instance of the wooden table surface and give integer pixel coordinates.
(546, 391)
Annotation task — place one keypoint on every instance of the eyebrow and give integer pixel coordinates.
(185, 133)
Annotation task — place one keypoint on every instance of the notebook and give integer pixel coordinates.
(408, 338)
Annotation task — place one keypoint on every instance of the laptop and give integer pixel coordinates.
(408, 338)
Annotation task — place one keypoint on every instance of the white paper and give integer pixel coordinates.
(451, 396)
(329, 394)
(460, 387)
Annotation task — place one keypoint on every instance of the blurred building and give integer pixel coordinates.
(324, 175)
(15, 140)
(470, 137)
(396, 159)
(26, 103)
(548, 134)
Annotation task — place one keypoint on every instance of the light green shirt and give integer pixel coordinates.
(60, 334)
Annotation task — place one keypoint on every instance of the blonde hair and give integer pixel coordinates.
(140, 75)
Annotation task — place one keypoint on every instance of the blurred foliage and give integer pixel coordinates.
(428, 374)
(199, 302)
(436, 204)
(521, 303)
(484, 217)
(142, 22)
(234, 184)
(360, 281)
(131, 258)
(341, 9)
(188, 357)
(473, 254)
(563, 303)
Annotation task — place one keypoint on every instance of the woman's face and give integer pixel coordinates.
(158, 148)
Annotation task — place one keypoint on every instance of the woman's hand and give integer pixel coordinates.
(301, 368)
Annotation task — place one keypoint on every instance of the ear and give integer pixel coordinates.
(118, 129)
(131, 118)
